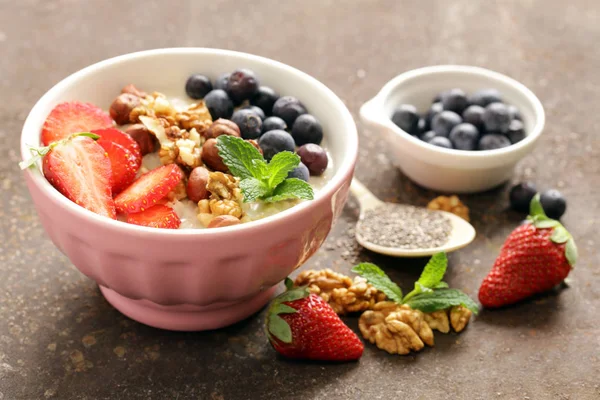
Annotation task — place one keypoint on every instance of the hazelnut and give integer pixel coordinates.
(196, 185)
(255, 144)
(122, 106)
(211, 157)
(131, 89)
(223, 220)
(223, 127)
(144, 138)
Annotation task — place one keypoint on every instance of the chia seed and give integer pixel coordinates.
(403, 226)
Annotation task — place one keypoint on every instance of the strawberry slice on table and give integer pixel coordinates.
(535, 257)
(123, 163)
(116, 136)
(159, 216)
(72, 117)
(79, 169)
(302, 325)
(148, 189)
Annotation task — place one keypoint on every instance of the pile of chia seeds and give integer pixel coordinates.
(403, 226)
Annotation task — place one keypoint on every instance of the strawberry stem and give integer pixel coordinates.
(39, 152)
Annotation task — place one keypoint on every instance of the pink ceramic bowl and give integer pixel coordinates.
(191, 279)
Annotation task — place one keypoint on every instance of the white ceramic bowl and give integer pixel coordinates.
(447, 170)
(191, 279)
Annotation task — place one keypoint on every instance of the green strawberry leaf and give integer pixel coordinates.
(571, 252)
(442, 299)
(545, 223)
(279, 328)
(376, 277)
(535, 207)
(560, 234)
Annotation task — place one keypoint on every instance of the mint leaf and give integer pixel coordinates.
(432, 275)
(441, 285)
(252, 189)
(239, 156)
(280, 165)
(292, 188)
(442, 299)
(260, 168)
(376, 277)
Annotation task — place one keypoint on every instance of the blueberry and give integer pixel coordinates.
(423, 126)
(485, 96)
(272, 123)
(256, 110)
(274, 142)
(219, 104)
(514, 112)
(435, 109)
(516, 131)
(407, 118)
(249, 123)
(553, 203)
(288, 108)
(464, 136)
(427, 136)
(300, 172)
(221, 82)
(197, 86)
(443, 122)
(307, 129)
(455, 100)
(441, 141)
(265, 98)
(493, 141)
(474, 116)
(314, 157)
(496, 118)
(242, 85)
(520, 196)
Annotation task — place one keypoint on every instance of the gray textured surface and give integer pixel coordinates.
(60, 339)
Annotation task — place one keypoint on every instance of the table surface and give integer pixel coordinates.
(60, 339)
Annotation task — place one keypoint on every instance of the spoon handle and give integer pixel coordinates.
(366, 199)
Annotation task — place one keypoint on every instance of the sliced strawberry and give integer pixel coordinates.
(158, 216)
(79, 168)
(123, 163)
(116, 136)
(73, 117)
(148, 189)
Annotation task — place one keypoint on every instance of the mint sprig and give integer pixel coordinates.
(38, 153)
(260, 180)
(430, 293)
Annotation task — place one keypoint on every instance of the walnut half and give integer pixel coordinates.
(225, 198)
(343, 294)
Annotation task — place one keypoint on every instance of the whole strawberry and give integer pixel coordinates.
(534, 258)
(303, 326)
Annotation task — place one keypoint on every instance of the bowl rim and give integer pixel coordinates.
(391, 86)
(344, 168)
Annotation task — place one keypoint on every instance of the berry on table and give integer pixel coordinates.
(273, 142)
(300, 172)
(242, 85)
(288, 108)
(485, 97)
(493, 141)
(314, 157)
(553, 203)
(464, 136)
(474, 115)
(496, 118)
(249, 123)
(516, 131)
(197, 86)
(520, 196)
(307, 129)
(219, 104)
(265, 98)
(272, 123)
(406, 118)
(455, 100)
(443, 122)
(441, 141)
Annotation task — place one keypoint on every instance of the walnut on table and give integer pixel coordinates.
(459, 317)
(451, 204)
(343, 294)
(225, 198)
(397, 329)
